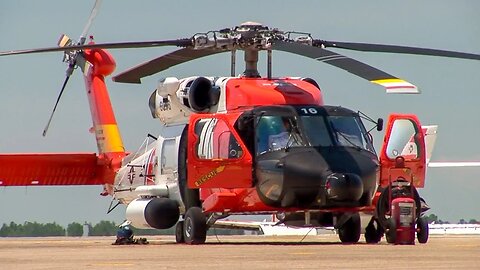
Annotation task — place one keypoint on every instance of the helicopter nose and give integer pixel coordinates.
(290, 179)
(309, 178)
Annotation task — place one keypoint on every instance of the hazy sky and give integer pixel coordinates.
(30, 83)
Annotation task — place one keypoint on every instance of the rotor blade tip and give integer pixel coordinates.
(397, 86)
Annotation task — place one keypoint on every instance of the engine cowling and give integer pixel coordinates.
(174, 100)
(157, 213)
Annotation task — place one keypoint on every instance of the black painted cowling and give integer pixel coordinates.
(316, 177)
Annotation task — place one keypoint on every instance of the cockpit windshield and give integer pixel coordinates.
(275, 132)
(349, 131)
(345, 130)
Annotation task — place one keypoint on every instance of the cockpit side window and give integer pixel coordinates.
(266, 127)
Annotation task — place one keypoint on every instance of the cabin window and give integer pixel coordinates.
(215, 140)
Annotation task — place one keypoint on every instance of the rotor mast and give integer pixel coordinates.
(249, 32)
(251, 60)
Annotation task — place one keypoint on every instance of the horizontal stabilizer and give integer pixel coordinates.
(454, 164)
(430, 135)
(51, 169)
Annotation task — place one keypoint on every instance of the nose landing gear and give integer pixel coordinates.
(349, 228)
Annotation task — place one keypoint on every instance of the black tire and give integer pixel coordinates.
(391, 234)
(373, 234)
(422, 230)
(349, 233)
(179, 235)
(195, 226)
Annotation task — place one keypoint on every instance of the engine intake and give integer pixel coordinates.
(202, 94)
(174, 100)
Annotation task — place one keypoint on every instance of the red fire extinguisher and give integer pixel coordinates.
(401, 225)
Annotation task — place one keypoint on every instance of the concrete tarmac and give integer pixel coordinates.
(238, 252)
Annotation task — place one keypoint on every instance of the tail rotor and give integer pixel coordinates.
(56, 103)
(70, 57)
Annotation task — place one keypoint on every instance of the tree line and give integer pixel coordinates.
(109, 228)
(434, 218)
(33, 229)
(75, 229)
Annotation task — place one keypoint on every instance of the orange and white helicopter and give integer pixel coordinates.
(247, 144)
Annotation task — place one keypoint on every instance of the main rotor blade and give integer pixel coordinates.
(368, 47)
(362, 70)
(93, 14)
(114, 45)
(133, 75)
(56, 104)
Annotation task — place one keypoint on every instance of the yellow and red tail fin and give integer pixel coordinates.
(99, 63)
(430, 138)
(430, 134)
(76, 168)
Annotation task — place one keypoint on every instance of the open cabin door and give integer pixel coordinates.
(217, 157)
(404, 137)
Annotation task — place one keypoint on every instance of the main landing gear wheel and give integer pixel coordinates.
(195, 226)
(349, 233)
(422, 230)
(373, 232)
(179, 234)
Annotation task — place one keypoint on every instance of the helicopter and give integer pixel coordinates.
(218, 166)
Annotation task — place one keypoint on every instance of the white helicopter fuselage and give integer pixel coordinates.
(152, 171)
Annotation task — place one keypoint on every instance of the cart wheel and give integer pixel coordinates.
(179, 235)
(195, 226)
(391, 234)
(422, 230)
